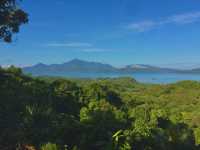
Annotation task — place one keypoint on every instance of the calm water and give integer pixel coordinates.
(141, 77)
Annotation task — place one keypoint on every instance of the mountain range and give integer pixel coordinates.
(81, 66)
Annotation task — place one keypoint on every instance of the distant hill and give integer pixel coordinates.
(81, 66)
(145, 68)
(73, 66)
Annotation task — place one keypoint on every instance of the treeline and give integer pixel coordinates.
(104, 114)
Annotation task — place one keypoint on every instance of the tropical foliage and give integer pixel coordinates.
(104, 114)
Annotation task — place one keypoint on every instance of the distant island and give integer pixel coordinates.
(81, 66)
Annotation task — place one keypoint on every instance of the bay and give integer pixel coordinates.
(147, 77)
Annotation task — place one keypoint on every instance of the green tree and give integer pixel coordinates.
(98, 91)
(11, 17)
(100, 120)
(14, 70)
(65, 95)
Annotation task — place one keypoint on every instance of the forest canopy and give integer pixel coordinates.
(43, 113)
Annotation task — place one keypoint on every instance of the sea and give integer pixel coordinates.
(157, 78)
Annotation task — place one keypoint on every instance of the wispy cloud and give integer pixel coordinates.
(77, 46)
(95, 50)
(185, 18)
(142, 26)
(71, 44)
(145, 25)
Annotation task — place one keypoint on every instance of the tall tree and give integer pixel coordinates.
(11, 18)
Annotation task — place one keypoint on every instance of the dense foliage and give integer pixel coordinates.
(11, 18)
(104, 114)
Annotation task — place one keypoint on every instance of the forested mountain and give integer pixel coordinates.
(80, 66)
(74, 65)
(102, 114)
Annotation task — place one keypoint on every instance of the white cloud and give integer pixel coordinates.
(185, 18)
(95, 50)
(71, 44)
(146, 25)
(142, 26)
(78, 46)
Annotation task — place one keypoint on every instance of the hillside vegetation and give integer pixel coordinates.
(103, 114)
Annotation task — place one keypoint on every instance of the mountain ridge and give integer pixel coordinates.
(82, 66)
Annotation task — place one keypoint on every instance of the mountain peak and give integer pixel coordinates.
(76, 60)
(140, 66)
(40, 65)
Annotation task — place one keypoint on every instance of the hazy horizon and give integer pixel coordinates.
(186, 66)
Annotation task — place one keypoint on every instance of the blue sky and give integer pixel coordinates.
(118, 32)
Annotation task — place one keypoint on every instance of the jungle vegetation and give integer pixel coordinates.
(43, 113)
